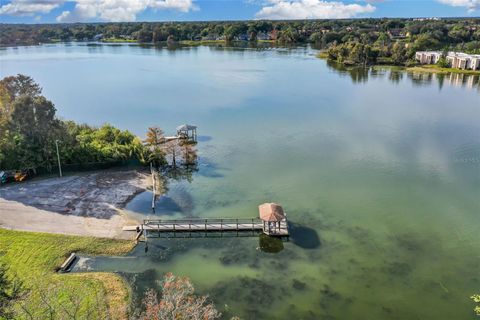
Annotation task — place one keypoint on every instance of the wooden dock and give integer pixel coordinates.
(222, 225)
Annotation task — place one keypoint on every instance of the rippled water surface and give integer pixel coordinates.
(378, 170)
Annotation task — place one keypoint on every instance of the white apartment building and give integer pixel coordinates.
(428, 57)
(457, 60)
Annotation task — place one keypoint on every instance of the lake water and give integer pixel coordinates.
(378, 171)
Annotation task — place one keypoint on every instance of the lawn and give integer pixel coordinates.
(33, 258)
(436, 69)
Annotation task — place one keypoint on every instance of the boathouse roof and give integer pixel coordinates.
(271, 212)
(184, 127)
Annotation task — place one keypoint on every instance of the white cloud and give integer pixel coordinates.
(471, 5)
(29, 7)
(120, 10)
(106, 10)
(311, 9)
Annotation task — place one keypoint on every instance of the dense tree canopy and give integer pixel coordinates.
(350, 41)
(29, 129)
(459, 33)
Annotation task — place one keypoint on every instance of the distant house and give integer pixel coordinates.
(273, 34)
(263, 36)
(457, 60)
(242, 37)
(209, 37)
(98, 37)
(396, 34)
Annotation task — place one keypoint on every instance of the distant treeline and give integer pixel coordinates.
(350, 41)
(463, 33)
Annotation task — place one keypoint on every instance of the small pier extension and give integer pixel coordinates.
(67, 264)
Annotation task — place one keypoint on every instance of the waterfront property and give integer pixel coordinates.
(428, 57)
(464, 61)
(365, 174)
(457, 60)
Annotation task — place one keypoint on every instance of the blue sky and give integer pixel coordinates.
(48, 11)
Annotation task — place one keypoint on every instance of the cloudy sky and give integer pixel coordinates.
(47, 11)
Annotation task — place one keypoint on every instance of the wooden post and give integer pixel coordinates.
(153, 186)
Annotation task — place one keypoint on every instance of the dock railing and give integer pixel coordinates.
(197, 224)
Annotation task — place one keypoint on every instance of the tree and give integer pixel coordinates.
(172, 149)
(144, 35)
(189, 153)
(425, 41)
(155, 137)
(154, 141)
(29, 128)
(399, 53)
(20, 85)
(34, 123)
(178, 301)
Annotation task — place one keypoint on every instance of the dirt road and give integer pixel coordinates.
(87, 204)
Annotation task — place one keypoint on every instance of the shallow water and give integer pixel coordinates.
(378, 171)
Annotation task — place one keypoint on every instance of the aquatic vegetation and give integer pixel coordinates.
(398, 269)
(255, 295)
(182, 199)
(298, 285)
(162, 250)
(476, 298)
(238, 255)
(270, 244)
(409, 242)
(294, 313)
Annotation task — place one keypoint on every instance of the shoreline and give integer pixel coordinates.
(90, 204)
(159, 43)
(434, 69)
(46, 253)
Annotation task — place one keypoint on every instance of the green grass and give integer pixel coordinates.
(33, 258)
(431, 68)
(322, 55)
(201, 42)
(436, 69)
(115, 40)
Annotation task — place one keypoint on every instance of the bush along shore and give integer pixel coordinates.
(30, 133)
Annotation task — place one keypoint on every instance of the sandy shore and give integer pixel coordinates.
(88, 204)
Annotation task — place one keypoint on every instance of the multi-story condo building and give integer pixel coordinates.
(457, 60)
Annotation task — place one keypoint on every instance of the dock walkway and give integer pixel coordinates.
(210, 225)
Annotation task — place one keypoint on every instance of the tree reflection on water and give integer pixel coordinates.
(396, 75)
